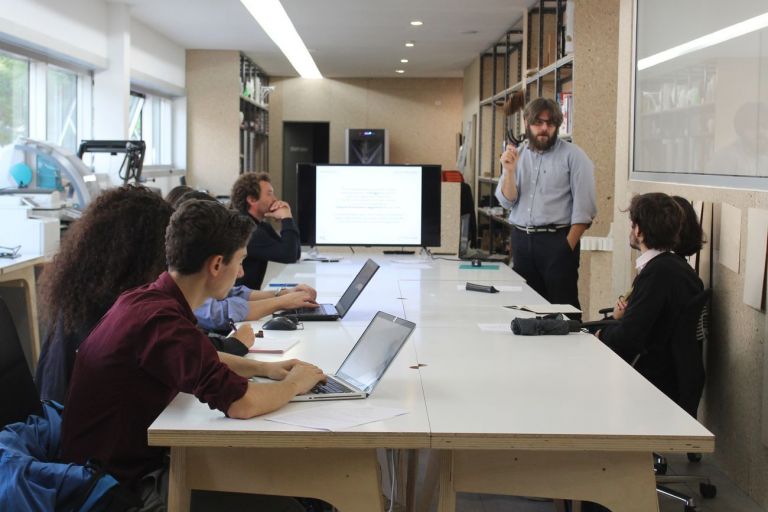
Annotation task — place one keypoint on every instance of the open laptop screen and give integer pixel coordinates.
(375, 351)
(356, 287)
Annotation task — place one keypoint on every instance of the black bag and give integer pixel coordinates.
(544, 325)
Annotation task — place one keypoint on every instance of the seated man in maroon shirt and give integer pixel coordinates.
(147, 349)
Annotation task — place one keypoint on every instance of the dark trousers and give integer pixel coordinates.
(547, 263)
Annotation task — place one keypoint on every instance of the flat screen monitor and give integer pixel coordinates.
(384, 205)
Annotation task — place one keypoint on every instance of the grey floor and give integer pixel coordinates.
(729, 498)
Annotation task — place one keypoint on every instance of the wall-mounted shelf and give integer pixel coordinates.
(254, 117)
(530, 57)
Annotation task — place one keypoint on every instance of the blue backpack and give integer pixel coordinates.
(32, 479)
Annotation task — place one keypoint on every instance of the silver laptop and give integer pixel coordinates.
(367, 362)
(331, 311)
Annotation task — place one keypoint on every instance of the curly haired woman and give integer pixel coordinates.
(118, 244)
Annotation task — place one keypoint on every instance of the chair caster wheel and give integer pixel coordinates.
(694, 457)
(707, 491)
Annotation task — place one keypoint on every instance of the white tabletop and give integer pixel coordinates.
(475, 389)
(187, 422)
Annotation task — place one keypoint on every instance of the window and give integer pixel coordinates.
(151, 121)
(61, 108)
(14, 98)
(135, 128)
(700, 93)
(43, 101)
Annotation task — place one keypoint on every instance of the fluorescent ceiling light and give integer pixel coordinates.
(404, 61)
(275, 22)
(417, 23)
(400, 71)
(717, 37)
(410, 44)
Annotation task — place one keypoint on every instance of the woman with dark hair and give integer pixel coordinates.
(691, 236)
(176, 192)
(118, 244)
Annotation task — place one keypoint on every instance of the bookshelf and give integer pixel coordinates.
(254, 117)
(534, 56)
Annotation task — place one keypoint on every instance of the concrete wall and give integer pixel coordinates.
(733, 402)
(423, 116)
(213, 119)
(596, 25)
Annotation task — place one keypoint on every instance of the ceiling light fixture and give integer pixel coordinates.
(417, 23)
(717, 37)
(278, 26)
(400, 71)
(410, 44)
(404, 61)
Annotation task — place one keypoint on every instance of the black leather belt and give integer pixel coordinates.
(552, 228)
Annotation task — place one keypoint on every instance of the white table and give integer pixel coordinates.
(557, 416)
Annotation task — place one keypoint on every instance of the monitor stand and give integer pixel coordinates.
(399, 252)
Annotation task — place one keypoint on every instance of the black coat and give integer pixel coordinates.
(660, 292)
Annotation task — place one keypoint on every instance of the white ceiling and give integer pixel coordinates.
(347, 38)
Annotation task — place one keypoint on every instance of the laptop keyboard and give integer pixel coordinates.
(322, 310)
(330, 387)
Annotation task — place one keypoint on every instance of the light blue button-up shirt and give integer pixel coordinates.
(214, 315)
(556, 187)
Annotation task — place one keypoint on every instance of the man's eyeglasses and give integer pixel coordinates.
(539, 122)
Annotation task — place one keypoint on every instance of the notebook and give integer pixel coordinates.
(367, 362)
(331, 311)
(273, 346)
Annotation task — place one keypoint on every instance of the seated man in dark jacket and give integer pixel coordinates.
(253, 195)
(664, 285)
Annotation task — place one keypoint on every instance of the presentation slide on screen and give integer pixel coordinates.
(364, 205)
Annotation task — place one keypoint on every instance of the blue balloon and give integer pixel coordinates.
(21, 174)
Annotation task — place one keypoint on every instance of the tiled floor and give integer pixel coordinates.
(729, 497)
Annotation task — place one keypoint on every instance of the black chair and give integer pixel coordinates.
(688, 354)
(17, 387)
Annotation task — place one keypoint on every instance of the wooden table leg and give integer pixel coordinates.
(178, 491)
(346, 478)
(621, 481)
(412, 476)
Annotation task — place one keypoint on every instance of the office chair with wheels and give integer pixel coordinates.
(20, 398)
(687, 353)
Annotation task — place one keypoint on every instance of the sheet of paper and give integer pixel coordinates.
(544, 309)
(501, 288)
(305, 275)
(704, 259)
(273, 345)
(730, 236)
(416, 265)
(336, 416)
(508, 288)
(495, 327)
(754, 275)
(410, 262)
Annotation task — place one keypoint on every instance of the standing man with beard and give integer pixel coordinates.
(548, 185)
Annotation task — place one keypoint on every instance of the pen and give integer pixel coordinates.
(329, 261)
(232, 324)
(283, 285)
